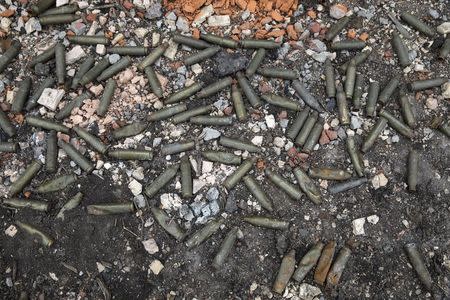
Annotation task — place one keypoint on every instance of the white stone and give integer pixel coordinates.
(358, 226)
(156, 266)
(155, 39)
(257, 140)
(223, 20)
(197, 185)
(50, 98)
(444, 28)
(207, 167)
(171, 51)
(100, 49)
(446, 90)
(204, 13)
(270, 121)
(141, 32)
(182, 24)
(61, 2)
(308, 292)
(150, 246)
(32, 25)
(170, 201)
(337, 11)
(138, 173)
(379, 180)
(11, 231)
(373, 219)
(75, 54)
(100, 267)
(135, 187)
(196, 68)
(432, 103)
(279, 142)
(53, 276)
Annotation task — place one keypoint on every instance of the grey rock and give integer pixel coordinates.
(212, 194)
(113, 58)
(384, 21)
(433, 13)
(210, 134)
(341, 133)
(214, 207)
(412, 55)
(78, 27)
(139, 201)
(186, 212)
(283, 51)
(182, 24)
(355, 122)
(229, 63)
(154, 10)
(317, 45)
(197, 208)
(221, 104)
(2, 86)
(206, 211)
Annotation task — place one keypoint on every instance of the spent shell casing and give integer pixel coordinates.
(46, 124)
(161, 180)
(60, 62)
(88, 39)
(71, 204)
(128, 50)
(277, 73)
(58, 19)
(401, 50)
(91, 139)
(418, 264)
(413, 170)
(232, 180)
(25, 178)
(347, 185)
(184, 93)
(336, 28)
(359, 59)
(82, 70)
(8, 147)
(114, 69)
(169, 224)
(343, 110)
(445, 49)
(308, 261)
(203, 234)
(186, 115)
(32, 101)
(407, 110)
(57, 184)
(420, 85)
(257, 59)
(20, 98)
(355, 156)
(9, 55)
(308, 186)
(154, 82)
(107, 96)
(444, 127)
(398, 125)
(348, 45)
(186, 177)
(358, 91)
(212, 120)
(335, 273)
(313, 137)
(417, 24)
(215, 87)
(41, 6)
(218, 40)
(324, 263)
(256, 44)
(167, 112)
(283, 184)
(95, 71)
(373, 134)
(281, 101)
(44, 57)
(372, 97)
(84, 163)
(110, 209)
(249, 92)
(129, 130)
(256, 190)
(329, 174)
(238, 103)
(222, 157)
(350, 78)
(76, 102)
(6, 125)
(304, 94)
(285, 272)
(330, 82)
(238, 144)
(175, 148)
(130, 154)
(225, 248)
(40, 236)
(26, 203)
(306, 129)
(153, 56)
(267, 222)
(297, 124)
(66, 9)
(190, 41)
(201, 56)
(388, 90)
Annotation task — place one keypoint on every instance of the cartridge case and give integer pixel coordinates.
(232, 180)
(413, 170)
(69, 205)
(285, 272)
(373, 134)
(372, 97)
(283, 184)
(348, 45)
(26, 203)
(358, 91)
(38, 235)
(355, 156)
(343, 111)
(308, 186)
(107, 96)
(218, 40)
(153, 56)
(110, 209)
(257, 59)
(336, 28)
(215, 87)
(407, 110)
(46, 124)
(238, 103)
(66, 9)
(306, 96)
(203, 234)
(238, 144)
(186, 115)
(222, 157)
(201, 56)
(257, 44)
(445, 49)
(41, 6)
(281, 102)
(91, 139)
(418, 264)
(51, 155)
(154, 82)
(57, 184)
(21, 96)
(335, 273)
(308, 261)
(32, 101)
(44, 57)
(277, 73)
(76, 102)
(6, 125)
(60, 61)
(175, 148)
(153, 188)
(190, 41)
(9, 55)
(58, 19)
(186, 177)
(184, 93)
(401, 50)
(8, 147)
(417, 24)
(420, 85)
(167, 112)
(225, 248)
(257, 191)
(297, 124)
(330, 82)
(359, 59)
(324, 263)
(306, 129)
(346, 185)
(82, 70)
(249, 92)
(25, 178)
(88, 39)
(267, 222)
(350, 78)
(398, 125)
(389, 89)
(329, 174)
(313, 136)
(131, 154)
(95, 71)
(212, 120)
(128, 50)
(129, 130)
(114, 69)
(84, 163)
(168, 224)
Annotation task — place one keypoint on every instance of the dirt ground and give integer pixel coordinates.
(378, 267)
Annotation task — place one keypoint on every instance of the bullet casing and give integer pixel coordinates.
(25, 178)
(201, 56)
(277, 73)
(88, 39)
(355, 156)
(418, 264)
(306, 96)
(60, 61)
(373, 134)
(9, 55)
(329, 174)
(350, 78)
(176, 148)
(238, 103)
(203, 234)
(57, 184)
(257, 44)
(215, 87)
(417, 24)
(58, 19)
(267, 222)
(95, 71)
(168, 224)
(222, 157)
(398, 125)
(342, 105)
(313, 136)
(358, 91)
(347, 185)
(348, 45)
(359, 59)
(41, 6)
(336, 28)
(257, 191)
(82, 70)
(212, 120)
(257, 59)
(218, 40)
(44, 57)
(161, 180)
(69, 205)
(114, 69)
(407, 110)
(184, 93)
(372, 97)
(225, 248)
(413, 170)
(76, 156)
(281, 101)
(190, 41)
(167, 112)
(238, 144)
(154, 82)
(420, 85)
(388, 90)
(401, 50)
(8, 147)
(26, 203)
(330, 82)
(40, 236)
(285, 272)
(324, 263)
(249, 92)
(232, 180)
(283, 184)
(186, 177)
(130, 154)
(129, 50)
(308, 186)
(306, 129)
(32, 101)
(297, 124)
(153, 56)
(186, 115)
(129, 130)
(21, 96)
(91, 139)
(308, 261)
(66, 9)
(445, 49)
(335, 273)
(110, 209)
(6, 125)
(107, 96)
(46, 124)
(76, 102)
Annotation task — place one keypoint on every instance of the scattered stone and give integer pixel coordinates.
(182, 24)
(32, 25)
(50, 98)
(322, 56)
(150, 246)
(113, 58)
(141, 32)
(75, 54)
(317, 45)
(358, 226)
(444, 28)
(355, 122)
(219, 21)
(432, 103)
(210, 134)
(308, 292)
(156, 266)
(154, 10)
(11, 231)
(338, 11)
(204, 13)
(78, 27)
(138, 174)
(212, 194)
(61, 2)
(257, 140)
(278, 142)
(170, 201)
(171, 51)
(373, 219)
(100, 49)
(446, 90)
(135, 187)
(139, 201)
(270, 121)
(379, 180)
(229, 63)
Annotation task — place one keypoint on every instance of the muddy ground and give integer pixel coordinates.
(378, 268)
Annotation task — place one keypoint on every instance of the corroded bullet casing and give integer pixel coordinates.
(348, 45)
(69, 205)
(308, 261)
(398, 125)
(41, 6)
(114, 69)
(358, 91)
(154, 82)
(335, 273)
(267, 222)
(445, 49)
(417, 24)
(83, 69)
(372, 97)
(306, 129)
(38, 235)
(129, 130)
(60, 61)
(110, 209)
(324, 263)
(313, 136)
(308, 186)
(420, 85)
(297, 124)
(304, 94)
(281, 101)
(186, 177)
(222, 157)
(26, 203)
(32, 101)
(184, 93)
(350, 78)
(6, 125)
(329, 174)
(277, 73)
(153, 56)
(203, 234)
(44, 57)
(58, 19)
(215, 87)
(168, 224)
(336, 28)
(190, 41)
(130, 154)
(76, 102)
(257, 44)
(218, 40)
(285, 272)
(95, 71)
(418, 264)
(8, 147)
(225, 248)
(21, 97)
(201, 56)
(186, 115)
(128, 50)
(389, 89)
(413, 170)
(343, 110)
(166, 112)
(355, 156)
(212, 120)
(283, 184)
(91, 139)
(346, 185)
(373, 134)
(407, 110)
(9, 55)
(66, 9)
(238, 103)
(359, 59)
(161, 180)
(330, 82)
(401, 50)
